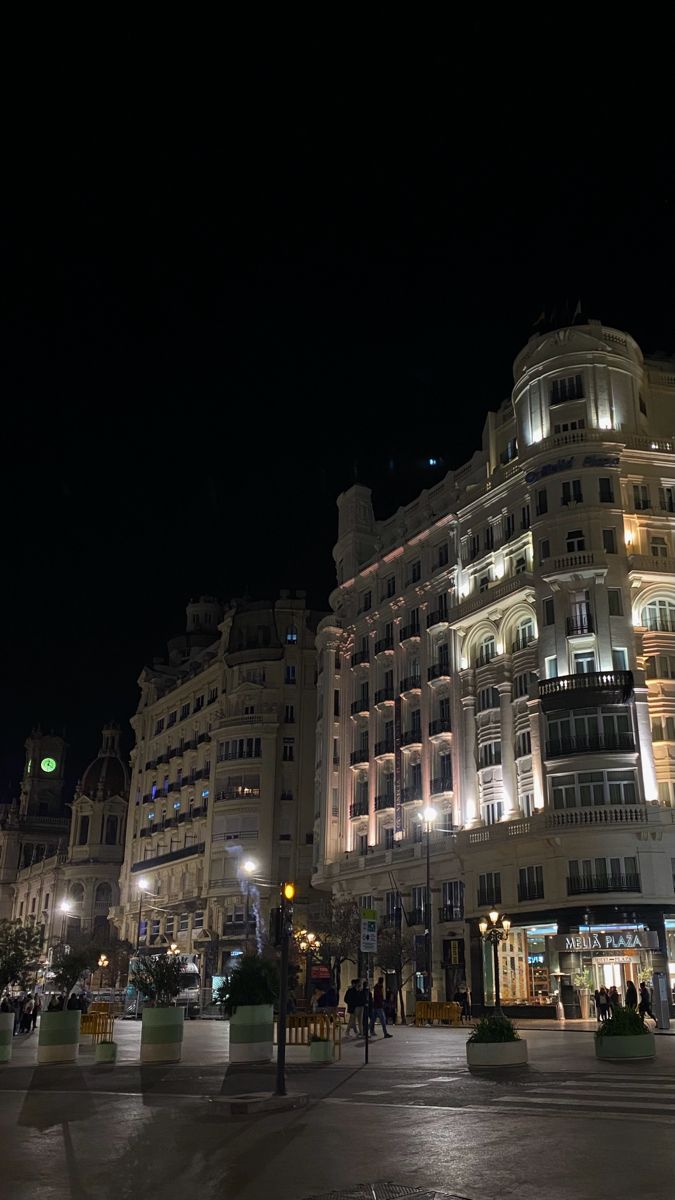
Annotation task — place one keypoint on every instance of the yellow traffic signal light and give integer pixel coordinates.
(289, 891)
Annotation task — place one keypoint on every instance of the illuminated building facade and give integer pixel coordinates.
(503, 649)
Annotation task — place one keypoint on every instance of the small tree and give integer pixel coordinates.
(396, 955)
(339, 929)
(19, 946)
(159, 979)
(68, 967)
(255, 981)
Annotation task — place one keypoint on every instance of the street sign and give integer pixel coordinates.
(368, 931)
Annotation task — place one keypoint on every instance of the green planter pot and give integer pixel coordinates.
(59, 1037)
(6, 1036)
(321, 1052)
(487, 1055)
(162, 1034)
(640, 1045)
(252, 1033)
(106, 1052)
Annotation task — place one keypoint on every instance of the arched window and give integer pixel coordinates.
(524, 633)
(292, 634)
(111, 831)
(84, 831)
(659, 614)
(486, 651)
(103, 893)
(76, 893)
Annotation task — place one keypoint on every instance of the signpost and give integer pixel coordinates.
(368, 947)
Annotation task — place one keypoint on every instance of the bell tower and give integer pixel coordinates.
(43, 776)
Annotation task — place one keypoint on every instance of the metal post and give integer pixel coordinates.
(428, 920)
(495, 951)
(283, 997)
(138, 940)
(366, 1011)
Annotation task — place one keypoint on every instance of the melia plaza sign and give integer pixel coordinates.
(617, 939)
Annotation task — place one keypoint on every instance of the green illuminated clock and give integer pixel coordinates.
(48, 765)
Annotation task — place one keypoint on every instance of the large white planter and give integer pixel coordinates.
(59, 1036)
(639, 1045)
(252, 1033)
(6, 1036)
(496, 1054)
(162, 1034)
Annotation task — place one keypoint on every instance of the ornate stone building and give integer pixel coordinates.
(503, 649)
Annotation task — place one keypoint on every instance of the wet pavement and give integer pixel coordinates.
(414, 1118)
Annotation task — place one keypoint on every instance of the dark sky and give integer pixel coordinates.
(237, 273)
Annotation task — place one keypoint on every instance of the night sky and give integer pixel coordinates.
(239, 276)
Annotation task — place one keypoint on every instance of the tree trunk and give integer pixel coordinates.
(401, 1001)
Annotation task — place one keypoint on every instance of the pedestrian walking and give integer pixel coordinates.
(602, 1005)
(37, 1009)
(645, 1005)
(631, 995)
(378, 1009)
(27, 1014)
(73, 1004)
(6, 1005)
(351, 1000)
(614, 999)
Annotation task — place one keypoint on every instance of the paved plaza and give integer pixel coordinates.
(566, 1126)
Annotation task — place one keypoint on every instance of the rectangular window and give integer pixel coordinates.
(362, 843)
(184, 711)
(416, 571)
(183, 922)
(474, 546)
(667, 499)
(569, 387)
(488, 698)
(584, 662)
(510, 525)
(453, 899)
(640, 497)
(542, 502)
(198, 920)
(490, 754)
(549, 611)
(551, 665)
(199, 703)
(484, 583)
(527, 804)
(389, 837)
(159, 726)
(490, 888)
(609, 541)
(366, 601)
(443, 554)
(521, 565)
(289, 714)
(658, 547)
(521, 685)
(171, 719)
(212, 695)
(523, 744)
(489, 537)
(289, 676)
(418, 898)
(615, 601)
(571, 492)
(493, 812)
(606, 491)
(544, 550)
(390, 589)
(168, 926)
(525, 517)
(563, 789)
(619, 659)
(575, 541)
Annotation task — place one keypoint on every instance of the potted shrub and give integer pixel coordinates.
(625, 1035)
(60, 1025)
(582, 982)
(159, 979)
(19, 945)
(320, 1049)
(495, 1042)
(249, 999)
(105, 1052)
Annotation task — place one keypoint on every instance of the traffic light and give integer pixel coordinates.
(288, 890)
(276, 925)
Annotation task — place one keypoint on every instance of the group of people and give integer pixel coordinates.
(608, 999)
(26, 1007)
(363, 1010)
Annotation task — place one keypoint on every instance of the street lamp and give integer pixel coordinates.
(173, 950)
(142, 885)
(249, 867)
(65, 907)
(428, 815)
(309, 945)
(494, 931)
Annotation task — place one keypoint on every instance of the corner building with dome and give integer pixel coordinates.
(502, 649)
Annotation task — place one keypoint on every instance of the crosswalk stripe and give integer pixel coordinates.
(587, 1101)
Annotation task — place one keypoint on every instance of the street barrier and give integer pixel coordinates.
(428, 1011)
(302, 1027)
(97, 1025)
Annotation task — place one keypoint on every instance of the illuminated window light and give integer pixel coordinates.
(433, 462)
(176, 803)
(605, 423)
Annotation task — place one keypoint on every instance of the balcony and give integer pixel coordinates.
(173, 856)
(411, 737)
(521, 643)
(489, 899)
(443, 783)
(579, 625)
(384, 801)
(447, 912)
(497, 591)
(361, 658)
(578, 559)
(384, 645)
(359, 756)
(384, 695)
(360, 706)
(438, 617)
(440, 725)
(411, 683)
(416, 916)
(409, 631)
(651, 563)
(484, 659)
(620, 743)
(410, 794)
(386, 746)
(530, 891)
(238, 793)
(238, 755)
(439, 670)
(564, 691)
(358, 809)
(584, 885)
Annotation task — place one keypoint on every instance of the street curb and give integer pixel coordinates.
(261, 1102)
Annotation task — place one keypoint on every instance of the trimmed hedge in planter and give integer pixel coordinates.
(162, 1034)
(495, 1042)
(623, 1036)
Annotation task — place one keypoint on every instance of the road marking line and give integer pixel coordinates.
(580, 1099)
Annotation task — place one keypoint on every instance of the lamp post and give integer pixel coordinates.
(309, 945)
(249, 867)
(142, 885)
(428, 815)
(65, 907)
(494, 931)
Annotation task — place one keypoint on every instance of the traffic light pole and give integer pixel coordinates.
(286, 918)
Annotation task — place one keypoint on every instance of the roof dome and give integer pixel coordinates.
(107, 775)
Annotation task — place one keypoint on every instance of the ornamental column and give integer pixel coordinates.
(509, 788)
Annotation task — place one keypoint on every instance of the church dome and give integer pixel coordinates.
(107, 775)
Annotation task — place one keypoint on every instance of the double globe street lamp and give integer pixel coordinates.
(495, 931)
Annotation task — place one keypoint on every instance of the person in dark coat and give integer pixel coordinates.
(73, 1004)
(351, 998)
(631, 995)
(37, 1009)
(645, 1005)
(602, 1005)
